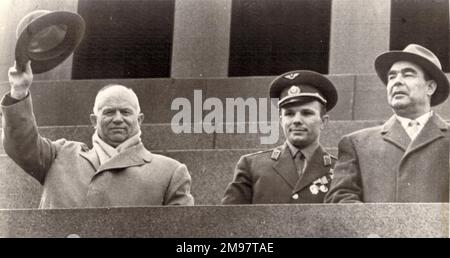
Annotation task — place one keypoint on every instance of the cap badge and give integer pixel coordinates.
(294, 90)
(291, 76)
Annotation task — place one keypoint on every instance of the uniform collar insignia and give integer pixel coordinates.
(275, 154)
(326, 160)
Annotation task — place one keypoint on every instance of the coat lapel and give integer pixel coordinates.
(430, 132)
(394, 133)
(134, 156)
(92, 157)
(285, 166)
(314, 169)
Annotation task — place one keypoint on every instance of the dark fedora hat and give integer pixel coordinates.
(47, 38)
(422, 57)
(301, 85)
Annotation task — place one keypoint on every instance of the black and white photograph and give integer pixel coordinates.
(242, 121)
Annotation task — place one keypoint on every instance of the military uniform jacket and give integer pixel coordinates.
(72, 177)
(271, 177)
(382, 164)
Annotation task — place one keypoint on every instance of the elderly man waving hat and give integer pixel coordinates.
(407, 158)
(117, 171)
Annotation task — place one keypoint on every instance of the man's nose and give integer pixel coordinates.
(117, 118)
(298, 119)
(397, 80)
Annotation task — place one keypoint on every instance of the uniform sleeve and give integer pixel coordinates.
(346, 186)
(21, 139)
(179, 190)
(240, 190)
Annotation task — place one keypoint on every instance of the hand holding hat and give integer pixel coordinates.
(20, 81)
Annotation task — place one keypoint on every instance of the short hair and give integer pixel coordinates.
(95, 108)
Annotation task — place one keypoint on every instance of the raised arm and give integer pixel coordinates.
(21, 138)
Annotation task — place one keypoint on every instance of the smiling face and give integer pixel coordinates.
(116, 115)
(302, 123)
(408, 91)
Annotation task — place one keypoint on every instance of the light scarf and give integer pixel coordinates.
(106, 152)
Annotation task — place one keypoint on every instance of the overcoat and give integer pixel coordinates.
(72, 177)
(382, 164)
(271, 177)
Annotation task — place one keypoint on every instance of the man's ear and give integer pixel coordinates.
(93, 119)
(431, 87)
(325, 120)
(140, 118)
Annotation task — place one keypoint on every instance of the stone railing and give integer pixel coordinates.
(316, 220)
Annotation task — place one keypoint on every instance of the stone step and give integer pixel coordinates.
(211, 171)
(233, 221)
(361, 97)
(161, 136)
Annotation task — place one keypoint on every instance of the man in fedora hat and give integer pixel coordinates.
(407, 158)
(117, 171)
(300, 170)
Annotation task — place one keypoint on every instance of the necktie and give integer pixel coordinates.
(413, 129)
(299, 161)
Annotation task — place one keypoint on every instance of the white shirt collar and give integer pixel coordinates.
(423, 119)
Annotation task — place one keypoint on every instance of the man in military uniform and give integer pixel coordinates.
(407, 158)
(299, 171)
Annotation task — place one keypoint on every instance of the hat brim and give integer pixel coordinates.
(385, 61)
(45, 61)
(307, 77)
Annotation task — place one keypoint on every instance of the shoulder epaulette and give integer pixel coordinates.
(258, 152)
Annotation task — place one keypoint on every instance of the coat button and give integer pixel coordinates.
(295, 196)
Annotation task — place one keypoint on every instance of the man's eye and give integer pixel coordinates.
(108, 112)
(307, 113)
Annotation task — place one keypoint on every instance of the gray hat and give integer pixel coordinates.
(420, 56)
(47, 38)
